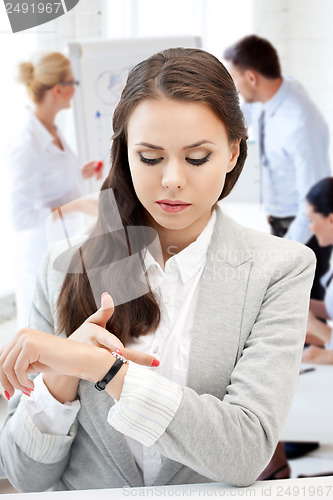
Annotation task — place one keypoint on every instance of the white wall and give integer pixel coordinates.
(84, 21)
(302, 32)
(218, 22)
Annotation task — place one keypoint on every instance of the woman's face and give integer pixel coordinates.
(179, 155)
(67, 91)
(321, 226)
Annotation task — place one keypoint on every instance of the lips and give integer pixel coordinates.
(173, 202)
(173, 205)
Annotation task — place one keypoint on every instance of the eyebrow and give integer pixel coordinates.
(159, 148)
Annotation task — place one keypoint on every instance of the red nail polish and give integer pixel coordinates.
(118, 351)
(155, 362)
(7, 395)
(28, 389)
(26, 394)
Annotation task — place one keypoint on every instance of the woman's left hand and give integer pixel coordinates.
(93, 168)
(32, 351)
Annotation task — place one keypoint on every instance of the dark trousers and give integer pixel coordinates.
(279, 227)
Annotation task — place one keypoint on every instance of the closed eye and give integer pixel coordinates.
(149, 161)
(198, 161)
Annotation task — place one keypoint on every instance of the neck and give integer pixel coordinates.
(174, 241)
(269, 88)
(46, 115)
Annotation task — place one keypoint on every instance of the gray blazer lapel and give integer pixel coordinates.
(222, 295)
(218, 319)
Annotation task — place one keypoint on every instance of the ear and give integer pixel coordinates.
(330, 218)
(252, 77)
(56, 90)
(234, 154)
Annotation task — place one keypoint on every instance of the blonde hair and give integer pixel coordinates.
(43, 72)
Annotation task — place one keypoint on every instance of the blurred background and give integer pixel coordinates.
(301, 31)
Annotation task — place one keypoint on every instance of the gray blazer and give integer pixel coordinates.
(244, 359)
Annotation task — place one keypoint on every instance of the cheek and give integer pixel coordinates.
(319, 230)
(144, 180)
(317, 226)
(212, 187)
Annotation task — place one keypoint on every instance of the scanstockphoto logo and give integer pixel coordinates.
(25, 15)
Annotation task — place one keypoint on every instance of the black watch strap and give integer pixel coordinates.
(100, 386)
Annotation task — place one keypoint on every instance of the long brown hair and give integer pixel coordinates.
(182, 74)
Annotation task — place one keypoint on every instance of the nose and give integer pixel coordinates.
(174, 177)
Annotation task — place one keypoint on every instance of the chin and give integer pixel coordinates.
(323, 243)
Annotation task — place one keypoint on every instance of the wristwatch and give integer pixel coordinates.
(120, 361)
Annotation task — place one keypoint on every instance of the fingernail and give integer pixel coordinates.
(28, 389)
(155, 362)
(26, 394)
(7, 395)
(108, 302)
(118, 351)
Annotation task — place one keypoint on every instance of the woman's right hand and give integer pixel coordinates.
(32, 351)
(93, 168)
(93, 331)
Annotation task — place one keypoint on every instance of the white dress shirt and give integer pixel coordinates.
(42, 177)
(170, 343)
(296, 145)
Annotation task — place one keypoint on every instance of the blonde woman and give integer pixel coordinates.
(44, 171)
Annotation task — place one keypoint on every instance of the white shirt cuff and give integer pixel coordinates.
(47, 414)
(43, 448)
(147, 404)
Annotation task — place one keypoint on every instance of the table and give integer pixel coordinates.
(311, 414)
(300, 489)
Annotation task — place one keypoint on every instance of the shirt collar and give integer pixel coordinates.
(188, 261)
(193, 257)
(39, 131)
(271, 106)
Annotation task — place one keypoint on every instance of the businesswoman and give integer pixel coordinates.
(319, 333)
(44, 172)
(219, 326)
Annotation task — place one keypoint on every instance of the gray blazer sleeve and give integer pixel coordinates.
(230, 438)
(42, 471)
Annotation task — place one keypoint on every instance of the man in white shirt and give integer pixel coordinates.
(293, 141)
